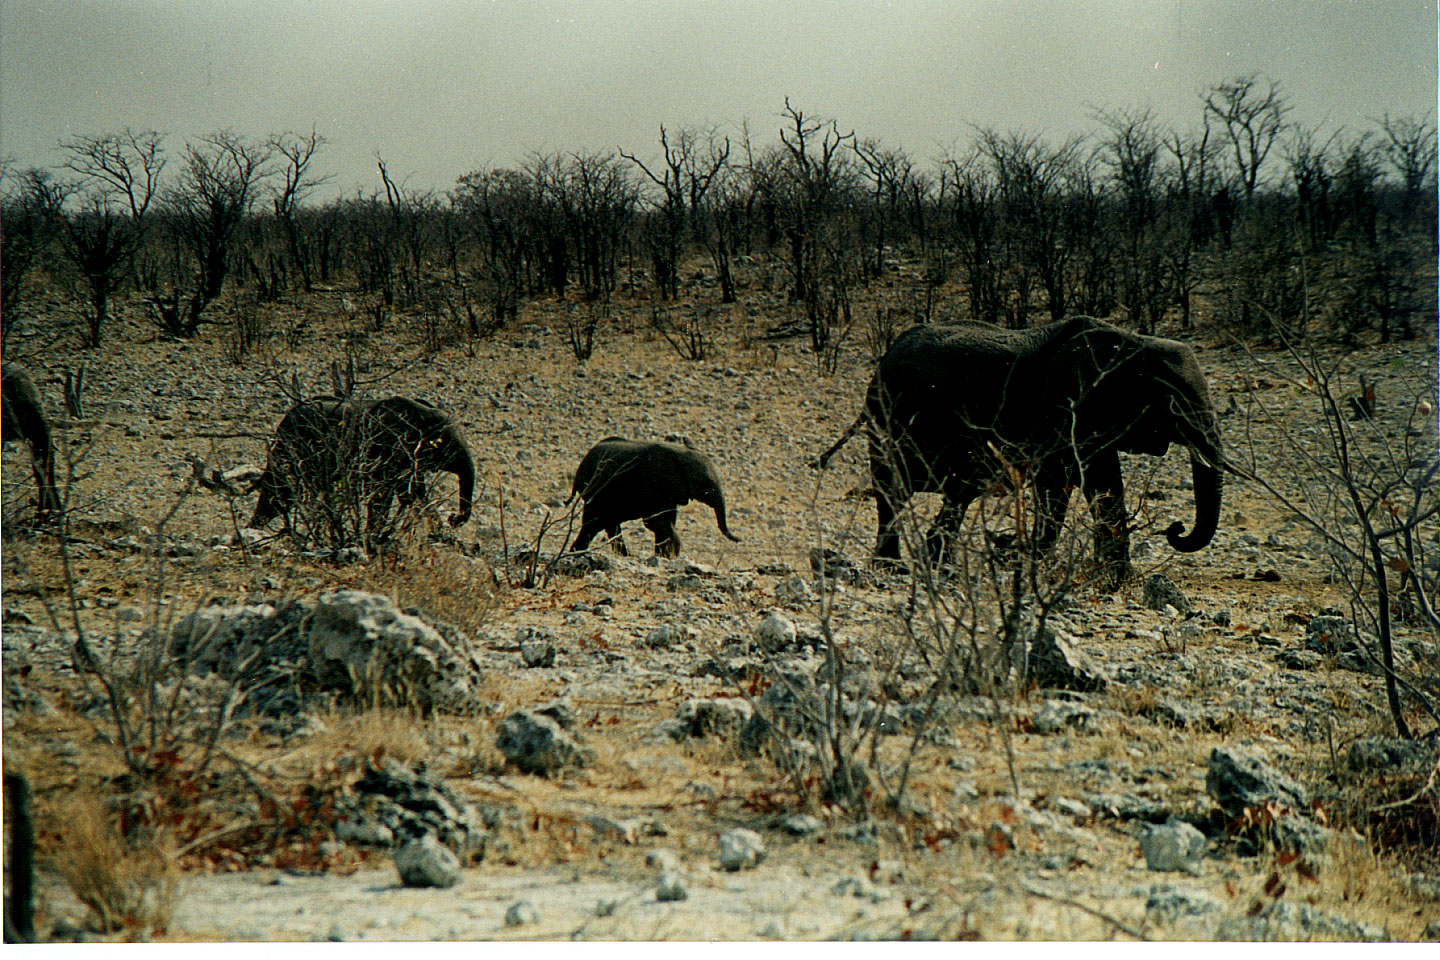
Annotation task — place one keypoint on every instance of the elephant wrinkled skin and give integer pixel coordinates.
(623, 480)
(952, 408)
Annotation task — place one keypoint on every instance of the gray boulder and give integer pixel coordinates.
(1055, 663)
(536, 744)
(1237, 779)
(425, 862)
(1174, 845)
(741, 849)
(1161, 592)
(361, 642)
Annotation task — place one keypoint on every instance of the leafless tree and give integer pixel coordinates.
(296, 181)
(1410, 146)
(1253, 119)
(687, 171)
(118, 178)
(221, 176)
(31, 205)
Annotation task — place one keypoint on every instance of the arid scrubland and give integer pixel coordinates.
(235, 734)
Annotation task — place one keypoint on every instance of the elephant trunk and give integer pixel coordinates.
(463, 467)
(716, 502)
(1208, 483)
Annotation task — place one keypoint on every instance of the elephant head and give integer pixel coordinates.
(405, 439)
(1149, 393)
(24, 419)
(704, 486)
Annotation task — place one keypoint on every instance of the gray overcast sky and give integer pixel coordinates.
(442, 87)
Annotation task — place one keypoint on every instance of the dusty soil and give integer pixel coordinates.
(966, 857)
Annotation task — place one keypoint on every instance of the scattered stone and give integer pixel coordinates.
(1293, 659)
(1168, 904)
(800, 824)
(1388, 755)
(1161, 592)
(1237, 779)
(521, 914)
(710, 717)
(1127, 806)
(794, 592)
(1055, 663)
(536, 744)
(1055, 716)
(425, 862)
(1175, 845)
(1073, 808)
(668, 635)
(1282, 920)
(391, 800)
(776, 631)
(741, 849)
(671, 887)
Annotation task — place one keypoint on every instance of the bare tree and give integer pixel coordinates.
(1253, 119)
(1410, 146)
(30, 209)
(684, 179)
(218, 184)
(1131, 151)
(296, 182)
(119, 176)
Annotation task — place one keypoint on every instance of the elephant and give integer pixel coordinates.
(950, 409)
(390, 444)
(24, 419)
(622, 479)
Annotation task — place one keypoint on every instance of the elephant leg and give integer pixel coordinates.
(590, 525)
(1105, 490)
(667, 541)
(1052, 501)
(617, 540)
(945, 530)
(889, 498)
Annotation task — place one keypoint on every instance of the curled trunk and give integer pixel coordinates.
(1208, 484)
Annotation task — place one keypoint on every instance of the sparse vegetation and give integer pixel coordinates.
(741, 296)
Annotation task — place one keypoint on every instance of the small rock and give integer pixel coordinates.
(741, 849)
(668, 635)
(537, 653)
(1055, 716)
(1054, 662)
(536, 744)
(1160, 592)
(794, 591)
(800, 824)
(775, 632)
(663, 859)
(1175, 845)
(425, 862)
(521, 914)
(1237, 779)
(671, 887)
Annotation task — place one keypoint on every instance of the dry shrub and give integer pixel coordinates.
(126, 884)
(441, 582)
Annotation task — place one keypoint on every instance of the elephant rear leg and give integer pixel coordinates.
(667, 541)
(944, 533)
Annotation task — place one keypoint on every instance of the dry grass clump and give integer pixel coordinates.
(127, 884)
(443, 583)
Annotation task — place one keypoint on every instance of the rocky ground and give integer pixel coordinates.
(591, 770)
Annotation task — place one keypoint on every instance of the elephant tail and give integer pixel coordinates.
(850, 431)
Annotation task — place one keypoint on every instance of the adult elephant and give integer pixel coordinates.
(376, 451)
(623, 480)
(952, 408)
(23, 418)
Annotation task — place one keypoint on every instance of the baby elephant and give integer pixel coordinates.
(377, 451)
(623, 480)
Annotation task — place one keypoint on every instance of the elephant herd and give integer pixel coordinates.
(950, 409)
